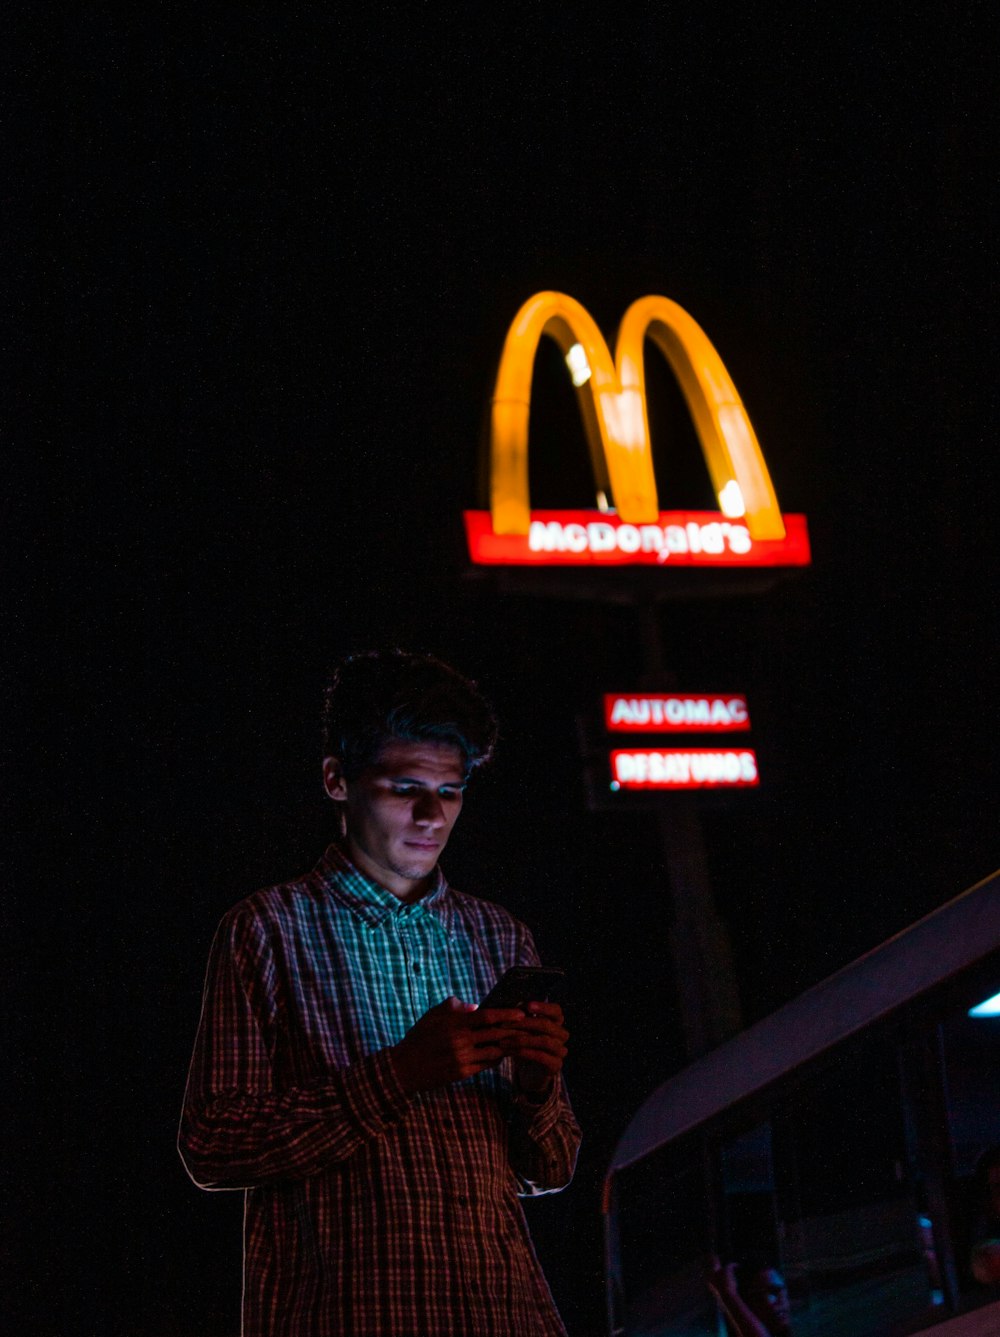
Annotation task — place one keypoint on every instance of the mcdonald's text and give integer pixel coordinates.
(684, 768)
(596, 538)
(648, 713)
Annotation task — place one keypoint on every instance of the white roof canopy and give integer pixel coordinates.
(928, 953)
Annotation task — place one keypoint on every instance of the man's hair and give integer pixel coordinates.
(372, 699)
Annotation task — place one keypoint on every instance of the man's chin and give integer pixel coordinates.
(416, 870)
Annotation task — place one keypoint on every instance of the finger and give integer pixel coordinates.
(540, 1039)
(473, 1067)
(540, 1027)
(493, 1035)
(547, 1057)
(500, 1035)
(485, 1057)
(538, 1008)
(496, 1016)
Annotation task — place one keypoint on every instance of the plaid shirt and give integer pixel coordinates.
(368, 1211)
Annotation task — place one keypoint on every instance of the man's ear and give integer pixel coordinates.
(333, 778)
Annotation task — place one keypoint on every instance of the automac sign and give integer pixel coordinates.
(628, 527)
(672, 713)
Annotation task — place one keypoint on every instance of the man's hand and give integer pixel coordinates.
(721, 1278)
(452, 1041)
(539, 1046)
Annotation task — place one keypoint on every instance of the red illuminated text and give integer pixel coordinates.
(592, 538)
(647, 713)
(684, 768)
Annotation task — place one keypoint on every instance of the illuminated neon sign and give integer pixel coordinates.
(684, 768)
(748, 530)
(664, 713)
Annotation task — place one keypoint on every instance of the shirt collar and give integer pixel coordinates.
(372, 903)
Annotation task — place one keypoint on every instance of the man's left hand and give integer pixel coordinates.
(539, 1046)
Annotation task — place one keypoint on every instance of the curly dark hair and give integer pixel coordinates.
(371, 699)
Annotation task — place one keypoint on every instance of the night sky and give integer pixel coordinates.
(264, 263)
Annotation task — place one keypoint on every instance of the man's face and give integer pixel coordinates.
(767, 1298)
(400, 812)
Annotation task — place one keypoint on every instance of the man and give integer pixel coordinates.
(985, 1259)
(753, 1297)
(381, 1124)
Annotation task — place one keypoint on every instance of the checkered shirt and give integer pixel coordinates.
(368, 1211)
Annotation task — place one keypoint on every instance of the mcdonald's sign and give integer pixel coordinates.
(628, 528)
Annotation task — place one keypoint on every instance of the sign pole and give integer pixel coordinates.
(700, 950)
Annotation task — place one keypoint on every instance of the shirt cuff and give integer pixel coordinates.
(373, 1092)
(540, 1109)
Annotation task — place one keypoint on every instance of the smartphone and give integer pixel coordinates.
(525, 984)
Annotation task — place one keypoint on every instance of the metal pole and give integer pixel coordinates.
(701, 955)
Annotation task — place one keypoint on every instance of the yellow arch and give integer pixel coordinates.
(613, 404)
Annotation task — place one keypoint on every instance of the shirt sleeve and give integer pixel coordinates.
(544, 1135)
(239, 1127)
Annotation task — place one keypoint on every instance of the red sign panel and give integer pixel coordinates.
(684, 768)
(593, 538)
(659, 713)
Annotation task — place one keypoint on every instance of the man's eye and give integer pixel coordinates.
(404, 789)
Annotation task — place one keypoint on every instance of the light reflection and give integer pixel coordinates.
(731, 500)
(579, 367)
(989, 1007)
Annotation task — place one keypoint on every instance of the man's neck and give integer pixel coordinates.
(404, 889)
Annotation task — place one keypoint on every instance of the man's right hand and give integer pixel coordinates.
(452, 1041)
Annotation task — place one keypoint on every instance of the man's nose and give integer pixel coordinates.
(429, 810)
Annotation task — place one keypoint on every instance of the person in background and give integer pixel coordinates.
(752, 1297)
(985, 1259)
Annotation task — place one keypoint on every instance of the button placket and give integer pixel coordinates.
(416, 988)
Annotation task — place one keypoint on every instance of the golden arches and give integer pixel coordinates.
(612, 397)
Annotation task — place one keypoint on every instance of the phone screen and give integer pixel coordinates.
(525, 984)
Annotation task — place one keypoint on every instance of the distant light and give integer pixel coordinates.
(603, 505)
(990, 1007)
(579, 367)
(615, 786)
(731, 500)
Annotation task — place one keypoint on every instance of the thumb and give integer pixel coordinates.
(454, 1004)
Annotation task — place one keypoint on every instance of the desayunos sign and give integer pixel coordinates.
(684, 768)
(628, 528)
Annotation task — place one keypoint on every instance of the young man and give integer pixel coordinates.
(381, 1123)
(752, 1296)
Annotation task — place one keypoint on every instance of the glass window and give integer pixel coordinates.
(970, 1046)
(665, 1235)
(854, 1237)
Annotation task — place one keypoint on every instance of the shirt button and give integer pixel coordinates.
(462, 1200)
(447, 1123)
(416, 967)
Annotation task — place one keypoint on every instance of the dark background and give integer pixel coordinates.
(264, 261)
